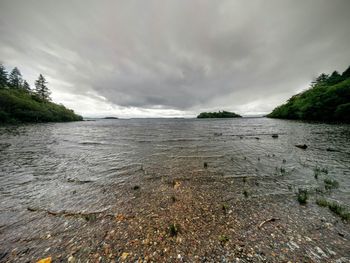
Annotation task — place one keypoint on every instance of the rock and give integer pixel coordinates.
(308, 239)
(292, 245)
(341, 234)
(124, 256)
(342, 260)
(301, 146)
(3, 255)
(71, 259)
(321, 252)
(45, 260)
(239, 248)
(328, 225)
(145, 241)
(176, 184)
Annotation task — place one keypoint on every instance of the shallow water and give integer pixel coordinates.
(74, 166)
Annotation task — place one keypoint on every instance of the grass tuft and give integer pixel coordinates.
(90, 217)
(322, 202)
(324, 170)
(318, 170)
(302, 196)
(316, 173)
(223, 239)
(224, 208)
(339, 210)
(173, 230)
(330, 184)
(336, 208)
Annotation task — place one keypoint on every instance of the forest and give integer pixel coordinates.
(20, 103)
(327, 99)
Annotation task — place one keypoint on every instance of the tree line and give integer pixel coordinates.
(332, 79)
(15, 81)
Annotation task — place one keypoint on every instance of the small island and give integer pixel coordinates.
(220, 114)
(327, 99)
(21, 104)
(110, 118)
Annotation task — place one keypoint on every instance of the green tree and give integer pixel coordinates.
(346, 73)
(41, 89)
(321, 79)
(15, 79)
(26, 86)
(334, 78)
(3, 77)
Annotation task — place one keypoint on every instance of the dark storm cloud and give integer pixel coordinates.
(183, 55)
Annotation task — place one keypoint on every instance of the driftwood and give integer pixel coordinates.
(266, 221)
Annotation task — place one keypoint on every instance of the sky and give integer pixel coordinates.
(174, 58)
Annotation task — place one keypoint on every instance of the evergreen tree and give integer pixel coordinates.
(41, 90)
(346, 73)
(321, 79)
(26, 86)
(334, 78)
(3, 77)
(15, 79)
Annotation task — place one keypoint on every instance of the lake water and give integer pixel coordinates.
(73, 166)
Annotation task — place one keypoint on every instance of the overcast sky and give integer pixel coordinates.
(174, 57)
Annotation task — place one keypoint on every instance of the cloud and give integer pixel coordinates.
(174, 58)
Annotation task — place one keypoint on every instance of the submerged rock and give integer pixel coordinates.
(331, 150)
(301, 146)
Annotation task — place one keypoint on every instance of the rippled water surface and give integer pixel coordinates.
(74, 166)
